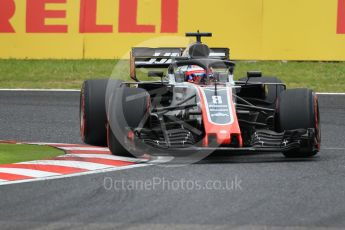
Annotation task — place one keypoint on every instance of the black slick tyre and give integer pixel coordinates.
(92, 114)
(298, 109)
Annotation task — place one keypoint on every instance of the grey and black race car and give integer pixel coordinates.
(196, 107)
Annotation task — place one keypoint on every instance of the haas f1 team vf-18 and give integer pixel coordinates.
(195, 106)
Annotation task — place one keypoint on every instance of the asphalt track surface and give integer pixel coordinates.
(271, 192)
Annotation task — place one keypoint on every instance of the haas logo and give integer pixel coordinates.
(217, 100)
(163, 61)
(155, 61)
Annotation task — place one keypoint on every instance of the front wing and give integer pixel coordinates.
(262, 141)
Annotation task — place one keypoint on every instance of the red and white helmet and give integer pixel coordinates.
(195, 74)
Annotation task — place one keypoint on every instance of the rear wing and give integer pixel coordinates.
(163, 57)
(155, 57)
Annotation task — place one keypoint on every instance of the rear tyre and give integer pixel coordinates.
(298, 109)
(128, 110)
(92, 112)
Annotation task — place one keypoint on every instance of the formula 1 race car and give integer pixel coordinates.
(196, 107)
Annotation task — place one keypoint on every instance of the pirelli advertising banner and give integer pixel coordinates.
(252, 29)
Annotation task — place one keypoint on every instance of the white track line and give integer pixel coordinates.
(2, 180)
(43, 143)
(336, 94)
(84, 149)
(161, 160)
(73, 164)
(156, 160)
(28, 172)
(42, 90)
(105, 156)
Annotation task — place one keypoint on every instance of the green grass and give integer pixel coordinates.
(64, 74)
(319, 76)
(11, 153)
(69, 74)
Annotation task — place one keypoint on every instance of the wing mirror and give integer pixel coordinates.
(251, 74)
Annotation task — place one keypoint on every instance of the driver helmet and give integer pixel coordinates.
(195, 74)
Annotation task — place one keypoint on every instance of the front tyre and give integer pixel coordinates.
(299, 109)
